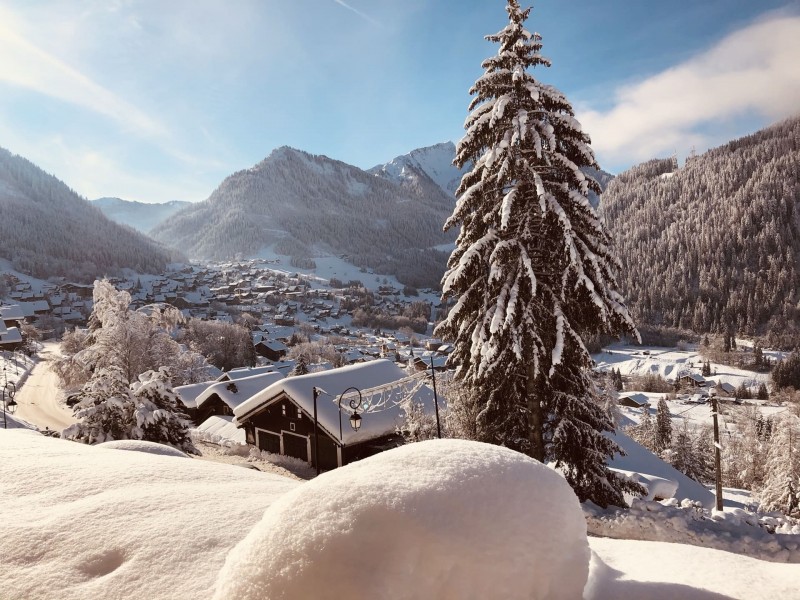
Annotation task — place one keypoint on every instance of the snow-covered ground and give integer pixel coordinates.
(671, 363)
(435, 519)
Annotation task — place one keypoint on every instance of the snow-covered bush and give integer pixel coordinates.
(111, 409)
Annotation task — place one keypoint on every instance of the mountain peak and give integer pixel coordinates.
(436, 162)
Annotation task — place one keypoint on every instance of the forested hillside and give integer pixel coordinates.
(47, 229)
(714, 246)
(304, 204)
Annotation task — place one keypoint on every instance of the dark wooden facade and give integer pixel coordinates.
(211, 406)
(282, 427)
(268, 352)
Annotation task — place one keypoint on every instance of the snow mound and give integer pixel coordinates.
(143, 446)
(436, 519)
(640, 460)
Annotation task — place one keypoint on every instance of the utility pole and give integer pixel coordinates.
(436, 402)
(717, 454)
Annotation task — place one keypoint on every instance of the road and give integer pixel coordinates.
(37, 399)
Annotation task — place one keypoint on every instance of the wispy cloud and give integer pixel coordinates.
(358, 12)
(753, 71)
(26, 65)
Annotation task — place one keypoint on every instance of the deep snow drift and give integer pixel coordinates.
(82, 522)
(444, 518)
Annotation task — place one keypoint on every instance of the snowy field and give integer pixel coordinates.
(670, 363)
(439, 519)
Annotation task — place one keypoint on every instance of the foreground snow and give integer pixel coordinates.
(84, 522)
(425, 517)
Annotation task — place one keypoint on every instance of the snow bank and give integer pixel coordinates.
(79, 522)
(639, 459)
(735, 530)
(437, 519)
(143, 446)
(631, 570)
(220, 430)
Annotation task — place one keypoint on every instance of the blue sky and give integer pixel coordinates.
(151, 100)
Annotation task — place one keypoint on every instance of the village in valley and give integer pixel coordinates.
(280, 319)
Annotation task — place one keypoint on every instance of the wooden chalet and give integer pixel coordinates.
(271, 349)
(637, 400)
(693, 380)
(280, 419)
(223, 397)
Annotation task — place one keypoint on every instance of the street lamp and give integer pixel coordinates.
(9, 391)
(355, 418)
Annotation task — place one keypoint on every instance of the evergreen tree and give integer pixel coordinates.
(663, 426)
(111, 409)
(683, 455)
(644, 432)
(763, 394)
(532, 272)
(706, 372)
(782, 472)
(618, 384)
(300, 367)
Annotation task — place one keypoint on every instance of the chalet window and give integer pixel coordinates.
(291, 426)
(299, 413)
(283, 409)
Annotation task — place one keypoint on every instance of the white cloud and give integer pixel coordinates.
(753, 71)
(358, 12)
(26, 65)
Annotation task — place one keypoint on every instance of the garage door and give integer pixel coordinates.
(269, 441)
(295, 445)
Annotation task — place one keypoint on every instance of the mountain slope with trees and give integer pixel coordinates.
(714, 246)
(304, 204)
(47, 229)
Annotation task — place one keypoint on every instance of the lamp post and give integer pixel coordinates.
(315, 392)
(9, 391)
(355, 418)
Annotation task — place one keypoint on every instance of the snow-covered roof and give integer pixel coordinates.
(11, 336)
(242, 372)
(696, 377)
(637, 398)
(381, 413)
(188, 394)
(233, 393)
(11, 312)
(3, 327)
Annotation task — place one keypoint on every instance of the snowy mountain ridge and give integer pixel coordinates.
(303, 205)
(141, 216)
(436, 162)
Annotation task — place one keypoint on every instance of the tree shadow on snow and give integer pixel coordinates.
(604, 584)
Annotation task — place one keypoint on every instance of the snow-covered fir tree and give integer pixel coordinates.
(781, 488)
(644, 432)
(112, 409)
(663, 426)
(300, 367)
(532, 273)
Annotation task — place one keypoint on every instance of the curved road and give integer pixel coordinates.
(37, 398)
